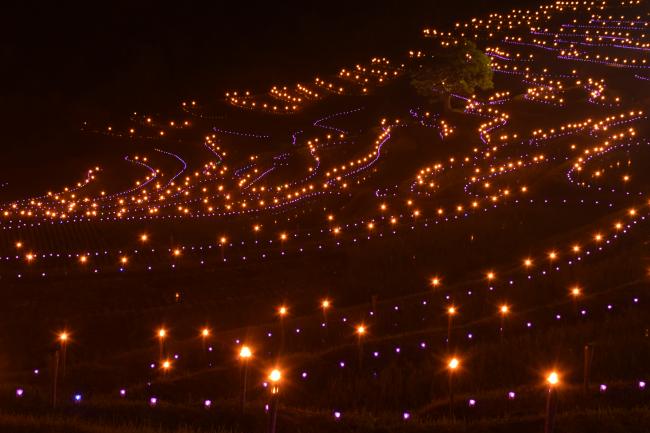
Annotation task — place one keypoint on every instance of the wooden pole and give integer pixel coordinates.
(588, 358)
(282, 336)
(273, 411)
(360, 352)
(55, 376)
(551, 409)
(451, 396)
(63, 351)
(244, 385)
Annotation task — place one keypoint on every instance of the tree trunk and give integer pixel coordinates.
(446, 101)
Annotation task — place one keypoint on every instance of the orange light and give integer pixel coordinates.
(245, 353)
(275, 376)
(553, 378)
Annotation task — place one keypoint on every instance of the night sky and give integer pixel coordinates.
(68, 62)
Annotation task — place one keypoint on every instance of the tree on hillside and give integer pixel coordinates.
(461, 68)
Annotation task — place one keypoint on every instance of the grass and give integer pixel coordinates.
(19, 423)
(632, 420)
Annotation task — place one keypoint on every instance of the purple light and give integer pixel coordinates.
(19, 392)
(337, 415)
(471, 402)
(406, 416)
(207, 404)
(511, 395)
(641, 384)
(122, 392)
(153, 401)
(77, 398)
(603, 387)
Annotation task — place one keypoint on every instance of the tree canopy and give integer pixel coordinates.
(461, 68)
